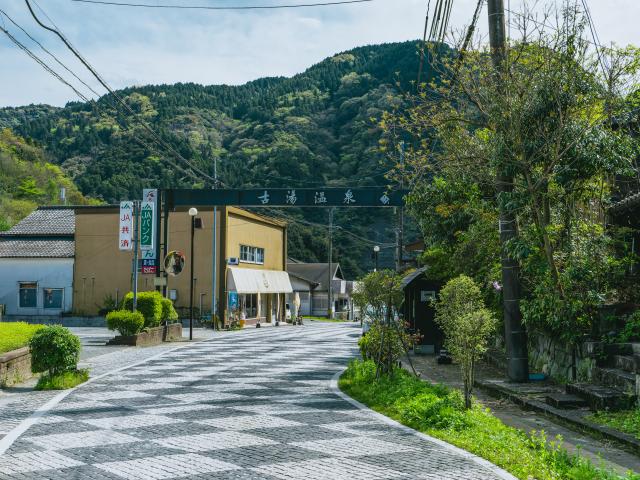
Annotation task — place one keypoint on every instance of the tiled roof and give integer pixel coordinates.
(36, 248)
(315, 272)
(45, 222)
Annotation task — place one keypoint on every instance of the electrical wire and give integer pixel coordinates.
(119, 99)
(208, 7)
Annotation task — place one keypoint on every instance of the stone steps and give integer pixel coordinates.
(565, 401)
(615, 378)
(600, 397)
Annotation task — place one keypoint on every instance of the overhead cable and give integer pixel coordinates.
(210, 7)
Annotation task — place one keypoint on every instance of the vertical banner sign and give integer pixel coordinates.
(125, 227)
(148, 226)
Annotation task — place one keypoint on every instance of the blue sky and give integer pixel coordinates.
(134, 46)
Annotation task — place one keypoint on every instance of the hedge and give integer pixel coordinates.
(125, 322)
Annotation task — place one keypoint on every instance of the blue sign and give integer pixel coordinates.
(233, 300)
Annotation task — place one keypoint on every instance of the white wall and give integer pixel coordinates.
(47, 272)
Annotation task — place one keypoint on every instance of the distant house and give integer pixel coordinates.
(312, 280)
(37, 262)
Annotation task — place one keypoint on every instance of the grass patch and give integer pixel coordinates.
(439, 411)
(324, 319)
(627, 421)
(63, 380)
(14, 335)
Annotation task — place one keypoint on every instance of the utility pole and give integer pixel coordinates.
(515, 333)
(214, 250)
(330, 273)
(136, 213)
(400, 229)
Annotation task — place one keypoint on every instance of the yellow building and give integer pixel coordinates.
(250, 257)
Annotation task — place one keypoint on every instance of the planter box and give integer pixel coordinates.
(153, 336)
(15, 366)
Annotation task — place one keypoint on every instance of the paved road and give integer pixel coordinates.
(249, 405)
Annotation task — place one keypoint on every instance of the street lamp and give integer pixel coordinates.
(376, 251)
(192, 213)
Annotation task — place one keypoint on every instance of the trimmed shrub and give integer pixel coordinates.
(55, 350)
(169, 313)
(125, 322)
(149, 304)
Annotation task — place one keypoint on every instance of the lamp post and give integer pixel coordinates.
(192, 213)
(376, 251)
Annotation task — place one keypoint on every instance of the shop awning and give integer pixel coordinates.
(249, 280)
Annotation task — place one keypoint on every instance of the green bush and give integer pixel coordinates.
(631, 330)
(63, 381)
(125, 322)
(169, 313)
(149, 304)
(440, 411)
(388, 352)
(54, 350)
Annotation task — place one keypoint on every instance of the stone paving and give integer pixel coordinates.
(252, 405)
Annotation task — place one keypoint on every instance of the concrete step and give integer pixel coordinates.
(599, 397)
(628, 363)
(614, 377)
(565, 400)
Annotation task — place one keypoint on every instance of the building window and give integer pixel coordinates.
(52, 298)
(28, 295)
(251, 254)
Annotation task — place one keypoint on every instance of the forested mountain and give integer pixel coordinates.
(28, 180)
(316, 128)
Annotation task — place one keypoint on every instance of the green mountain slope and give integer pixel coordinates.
(27, 180)
(316, 128)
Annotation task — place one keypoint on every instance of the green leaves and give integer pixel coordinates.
(54, 349)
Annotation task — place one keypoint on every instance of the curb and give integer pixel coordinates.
(565, 417)
(503, 474)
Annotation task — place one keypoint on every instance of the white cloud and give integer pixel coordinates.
(140, 46)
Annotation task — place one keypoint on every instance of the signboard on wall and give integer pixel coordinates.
(125, 226)
(233, 301)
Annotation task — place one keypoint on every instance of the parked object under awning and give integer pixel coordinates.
(249, 280)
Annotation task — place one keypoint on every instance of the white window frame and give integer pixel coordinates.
(249, 254)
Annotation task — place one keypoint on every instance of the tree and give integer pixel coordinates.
(467, 326)
(548, 124)
(379, 296)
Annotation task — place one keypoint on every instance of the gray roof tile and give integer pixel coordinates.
(46, 222)
(36, 248)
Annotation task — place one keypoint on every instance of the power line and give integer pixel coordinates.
(119, 99)
(80, 95)
(49, 53)
(41, 62)
(207, 7)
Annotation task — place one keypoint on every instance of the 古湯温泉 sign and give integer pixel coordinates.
(125, 226)
(289, 197)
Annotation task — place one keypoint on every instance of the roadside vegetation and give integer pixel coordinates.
(14, 335)
(627, 421)
(55, 352)
(440, 412)
(324, 319)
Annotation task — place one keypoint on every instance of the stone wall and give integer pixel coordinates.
(151, 336)
(556, 359)
(15, 367)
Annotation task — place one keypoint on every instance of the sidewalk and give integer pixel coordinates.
(597, 450)
(20, 401)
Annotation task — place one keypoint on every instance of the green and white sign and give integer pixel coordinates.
(147, 226)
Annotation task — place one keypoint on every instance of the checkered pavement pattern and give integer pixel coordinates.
(251, 405)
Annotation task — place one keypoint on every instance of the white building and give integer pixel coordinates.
(36, 264)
